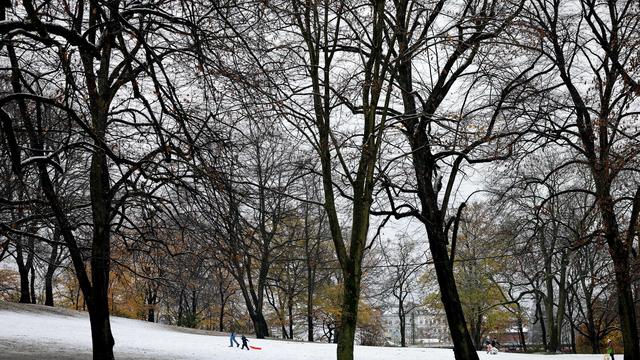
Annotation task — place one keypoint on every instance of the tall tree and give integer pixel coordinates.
(100, 51)
(590, 45)
(444, 134)
(320, 26)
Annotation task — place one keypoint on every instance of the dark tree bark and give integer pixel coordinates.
(540, 317)
(290, 313)
(23, 271)
(51, 269)
(402, 316)
(33, 283)
(221, 318)
(523, 342)
(310, 292)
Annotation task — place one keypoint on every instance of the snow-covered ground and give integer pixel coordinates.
(36, 332)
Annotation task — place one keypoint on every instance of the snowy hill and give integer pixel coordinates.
(38, 332)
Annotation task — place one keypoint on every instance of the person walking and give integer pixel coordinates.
(232, 339)
(244, 342)
(610, 349)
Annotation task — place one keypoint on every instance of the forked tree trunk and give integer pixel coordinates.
(260, 325)
(23, 271)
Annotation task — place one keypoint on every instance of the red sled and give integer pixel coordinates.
(255, 347)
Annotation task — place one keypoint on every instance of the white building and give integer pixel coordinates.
(424, 327)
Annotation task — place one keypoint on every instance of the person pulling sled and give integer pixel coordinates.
(244, 342)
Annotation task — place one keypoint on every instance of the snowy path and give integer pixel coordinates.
(33, 333)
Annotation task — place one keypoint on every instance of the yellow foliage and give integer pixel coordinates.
(329, 303)
(9, 285)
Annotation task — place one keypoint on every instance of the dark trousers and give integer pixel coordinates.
(244, 345)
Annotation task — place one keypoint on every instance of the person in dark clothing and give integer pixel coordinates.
(493, 342)
(232, 339)
(244, 342)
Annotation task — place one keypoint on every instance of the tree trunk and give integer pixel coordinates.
(463, 346)
(477, 331)
(77, 297)
(619, 250)
(574, 349)
(23, 270)
(543, 327)
(595, 343)
(33, 284)
(101, 337)
(290, 310)
(222, 306)
(348, 322)
(194, 308)
(310, 280)
(626, 309)
(562, 301)
(552, 345)
(413, 328)
(402, 316)
(51, 269)
(593, 337)
(151, 303)
(259, 324)
(99, 181)
(521, 333)
(257, 318)
(309, 311)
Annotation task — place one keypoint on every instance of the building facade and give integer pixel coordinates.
(424, 327)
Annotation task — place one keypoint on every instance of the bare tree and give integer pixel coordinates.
(589, 45)
(454, 51)
(403, 267)
(101, 50)
(322, 43)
